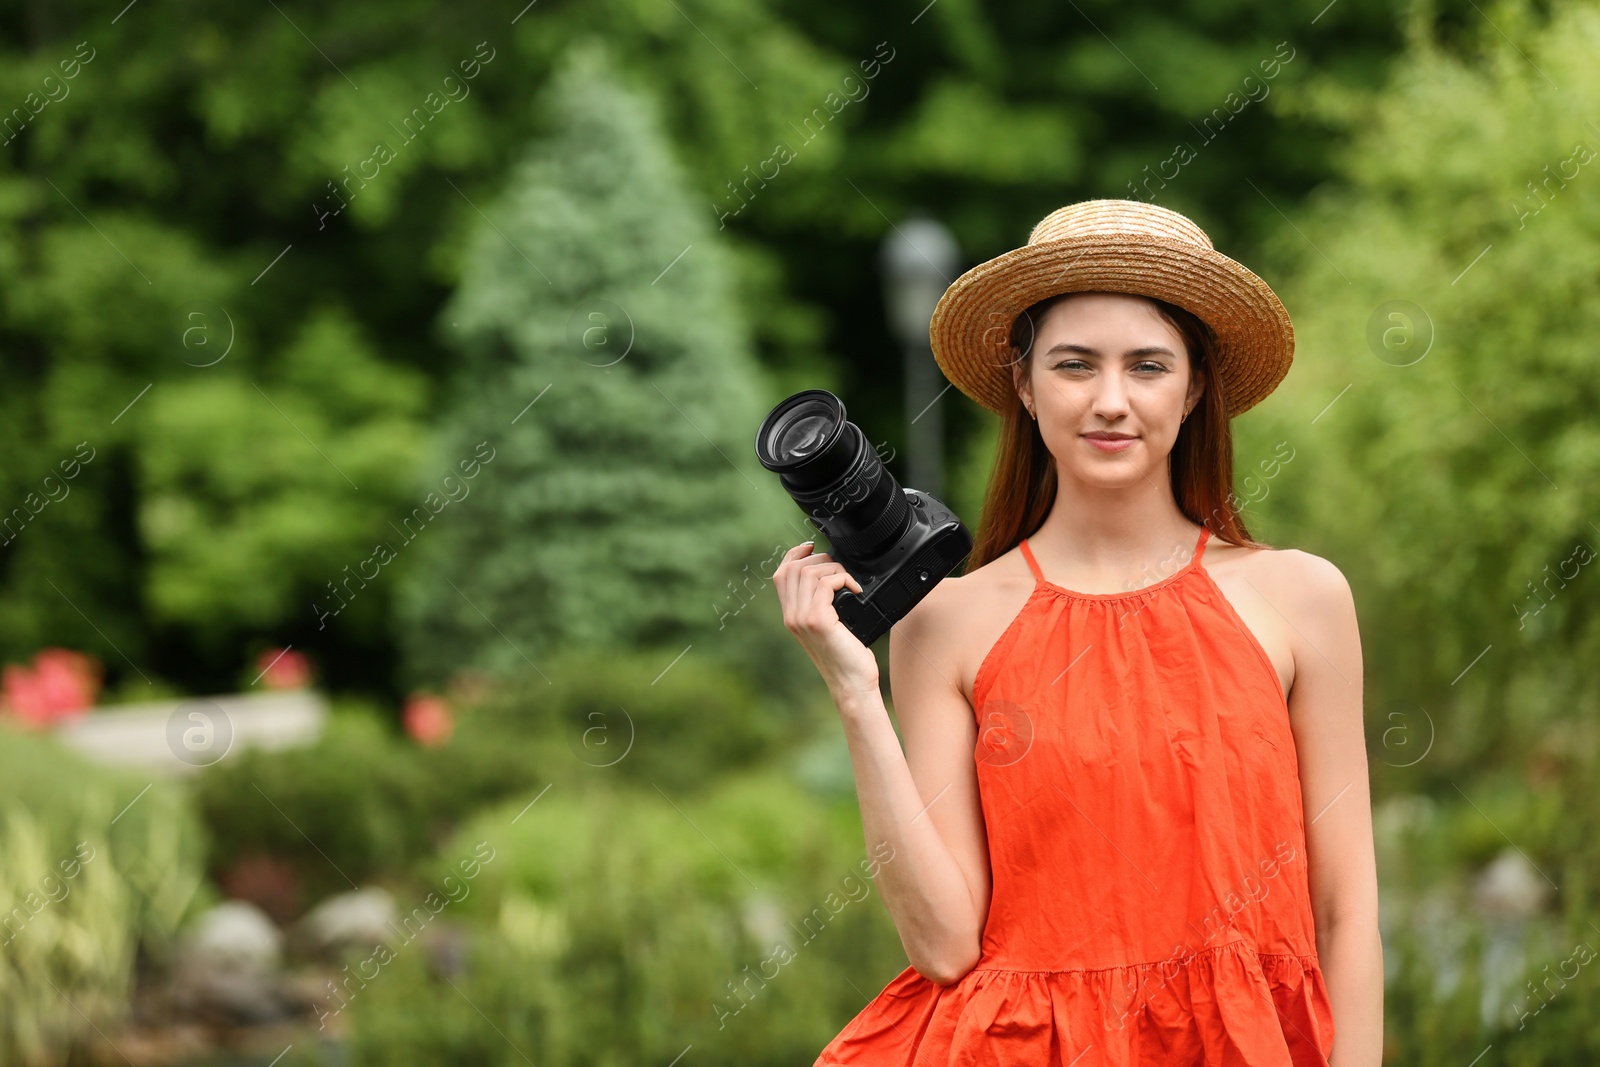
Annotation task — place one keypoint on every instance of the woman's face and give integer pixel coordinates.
(1107, 364)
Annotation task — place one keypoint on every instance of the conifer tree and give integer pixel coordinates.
(606, 401)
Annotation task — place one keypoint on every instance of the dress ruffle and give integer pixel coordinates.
(1224, 1006)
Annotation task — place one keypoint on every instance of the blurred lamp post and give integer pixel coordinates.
(919, 260)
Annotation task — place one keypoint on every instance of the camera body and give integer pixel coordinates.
(897, 543)
(933, 544)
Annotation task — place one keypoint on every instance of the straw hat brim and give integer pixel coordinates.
(970, 329)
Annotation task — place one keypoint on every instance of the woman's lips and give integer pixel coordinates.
(1111, 444)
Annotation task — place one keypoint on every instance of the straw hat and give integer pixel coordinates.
(1119, 246)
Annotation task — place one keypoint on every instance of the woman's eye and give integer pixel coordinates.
(1151, 365)
(1071, 364)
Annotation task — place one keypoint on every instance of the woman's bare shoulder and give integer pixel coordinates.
(1313, 588)
(1291, 578)
(1282, 595)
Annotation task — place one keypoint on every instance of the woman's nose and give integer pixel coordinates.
(1110, 396)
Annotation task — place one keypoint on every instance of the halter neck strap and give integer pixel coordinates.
(1033, 564)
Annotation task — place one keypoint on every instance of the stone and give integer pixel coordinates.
(1510, 887)
(361, 919)
(228, 966)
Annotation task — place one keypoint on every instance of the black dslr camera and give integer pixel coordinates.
(897, 543)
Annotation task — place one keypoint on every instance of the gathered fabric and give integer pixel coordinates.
(1140, 791)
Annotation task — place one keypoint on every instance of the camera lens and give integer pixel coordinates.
(824, 463)
(801, 437)
(805, 440)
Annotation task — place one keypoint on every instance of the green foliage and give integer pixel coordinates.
(84, 942)
(177, 195)
(619, 927)
(362, 801)
(1431, 1022)
(1444, 351)
(1453, 483)
(639, 717)
(367, 802)
(95, 871)
(613, 505)
(245, 506)
(1462, 977)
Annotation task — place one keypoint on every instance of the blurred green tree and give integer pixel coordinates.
(182, 160)
(1438, 406)
(254, 491)
(1445, 458)
(605, 368)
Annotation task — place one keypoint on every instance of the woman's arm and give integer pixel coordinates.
(1325, 713)
(925, 799)
(922, 800)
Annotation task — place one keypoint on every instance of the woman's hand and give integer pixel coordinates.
(806, 582)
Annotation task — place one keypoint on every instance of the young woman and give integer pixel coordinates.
(1130, 818)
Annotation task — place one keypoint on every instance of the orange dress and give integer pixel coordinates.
(1150, 905)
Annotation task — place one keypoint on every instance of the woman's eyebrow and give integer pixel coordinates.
(1147, 350)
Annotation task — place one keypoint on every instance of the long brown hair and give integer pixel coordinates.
(1022, 482)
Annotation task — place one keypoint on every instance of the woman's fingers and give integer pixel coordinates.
(832, 568)
(807, 582)
(784, 579)
(827, 583)
(804, 580)
(796, 560)
(817, 585)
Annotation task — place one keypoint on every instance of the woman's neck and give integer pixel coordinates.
(1113, 531)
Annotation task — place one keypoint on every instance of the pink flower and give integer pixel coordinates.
(428, 719)
(283, 668)
(62, 684)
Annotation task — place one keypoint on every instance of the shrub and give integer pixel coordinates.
(639, 717)
(620, 926)
(97, 870)
(361, 801)
(365, 801)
